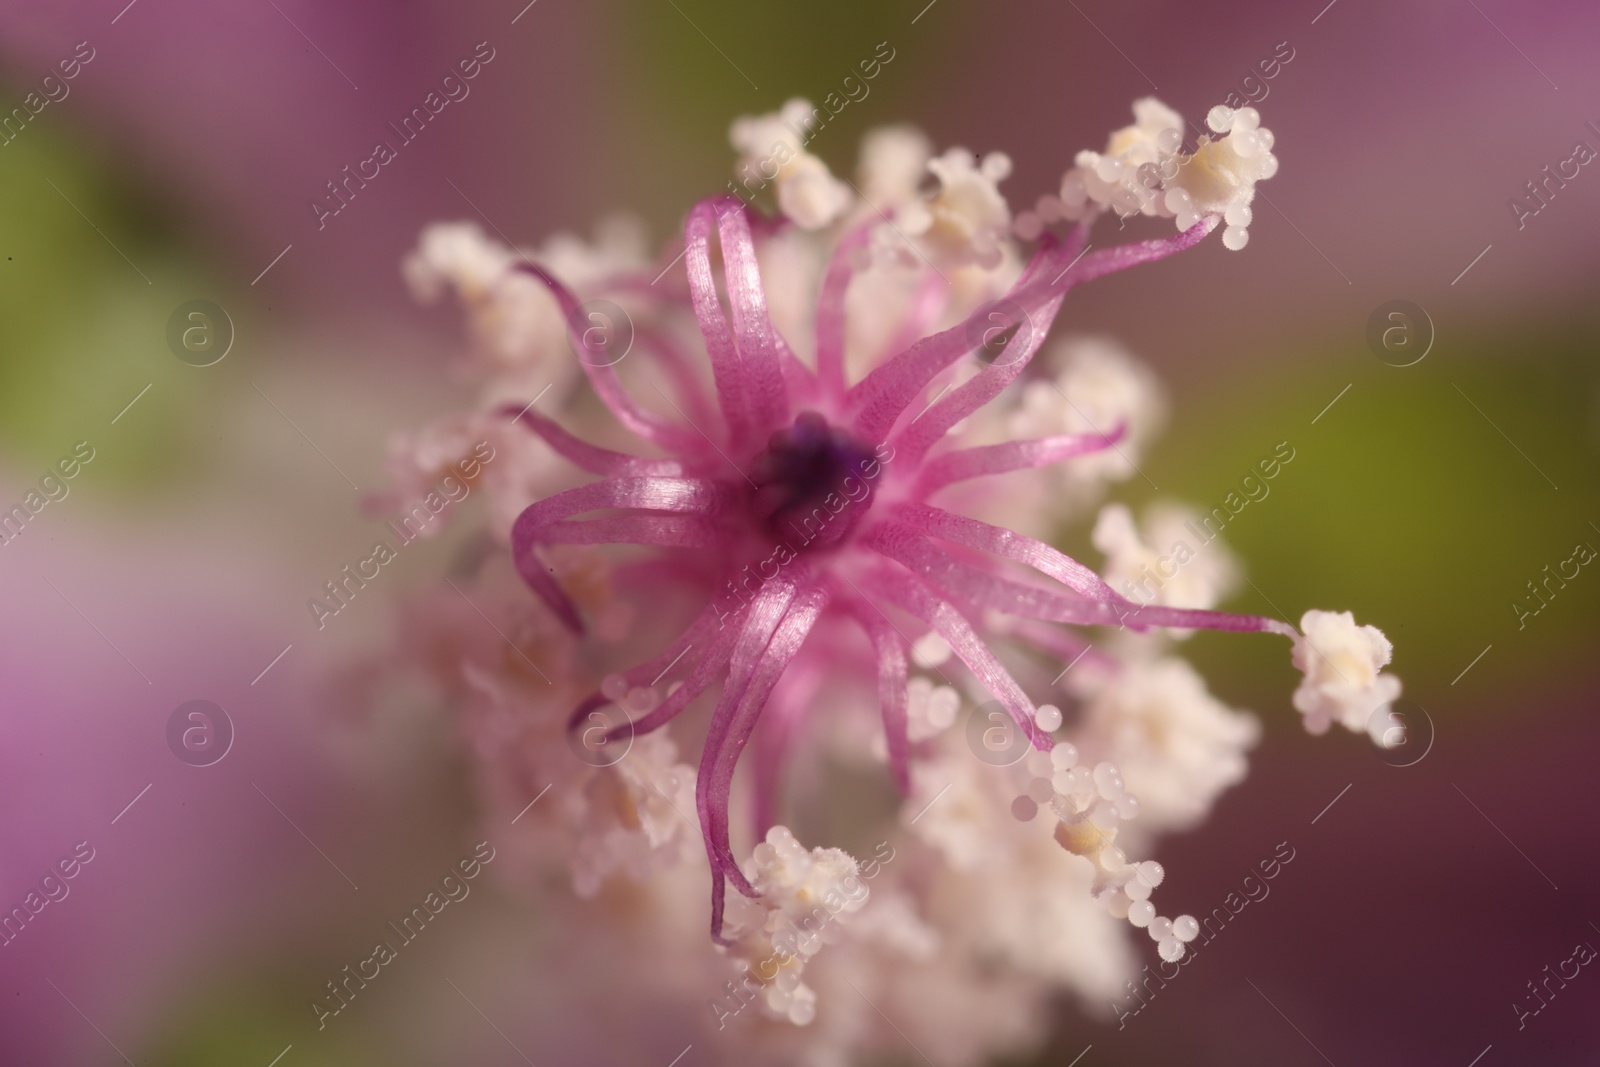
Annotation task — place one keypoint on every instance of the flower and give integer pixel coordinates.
(806, 485)
(810, 492)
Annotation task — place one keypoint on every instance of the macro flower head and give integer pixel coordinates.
(816, 395)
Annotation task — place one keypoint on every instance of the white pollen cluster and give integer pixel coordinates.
(1091, 805)
(1343, 682)
(1177, 746)
(455, 255)
(806, 897)
(1145, 171)
(1127, 176)
(1220, 177)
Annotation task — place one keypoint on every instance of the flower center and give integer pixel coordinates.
(813, 483)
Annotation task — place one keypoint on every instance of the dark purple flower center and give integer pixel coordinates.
(813, 483)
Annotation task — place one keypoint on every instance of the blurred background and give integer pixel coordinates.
(178, 163)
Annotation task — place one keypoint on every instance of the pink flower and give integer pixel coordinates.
(805, 497)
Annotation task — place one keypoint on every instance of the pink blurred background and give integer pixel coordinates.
(200, 133)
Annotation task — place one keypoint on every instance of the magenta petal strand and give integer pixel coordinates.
(707, 670)
(882, 396)
(757, 341)
(997, 540)
(766, 613)
(603, 375)
(720, 759)
(982, 589)
(830, 312)
(669, 531)
(890, 649)
(962, 464)
(589, 457)
(726, 370)
(912, 595)
(977, 589)
(687, 495)
(1109, 261)
(925, 431)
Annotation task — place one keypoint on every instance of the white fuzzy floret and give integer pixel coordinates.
(1098, 385)
(632, 823)
(1343, 666)
(893, 163)
(455, 255)
(1177, 745)
(514, 319)
(771, 148)
(966, 220)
